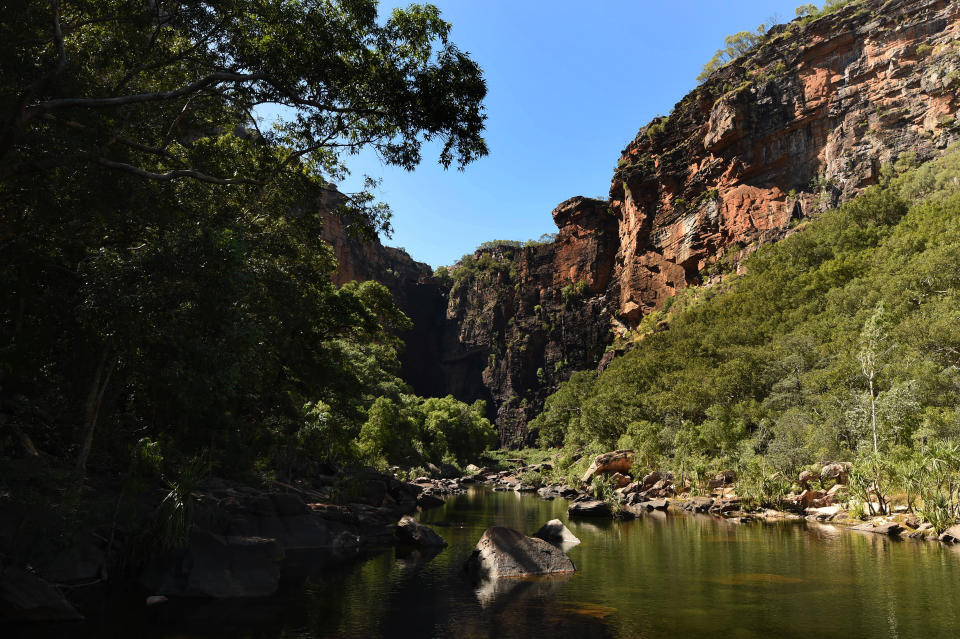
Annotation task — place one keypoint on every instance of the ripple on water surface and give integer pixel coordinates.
(660, 576)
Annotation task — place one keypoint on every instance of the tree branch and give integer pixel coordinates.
(172, 175)
(88, 103)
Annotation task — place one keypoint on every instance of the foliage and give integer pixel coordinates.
(169, 91)
(162, 272)
(735, 45)
(775, 364)
(411, 430)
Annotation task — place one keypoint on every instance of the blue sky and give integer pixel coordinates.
(569, 85)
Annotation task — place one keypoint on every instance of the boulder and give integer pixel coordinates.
(590, 508)
(217, 566)
(836, 493)
(618, 461)
(26, 597)
(426, 501)
(723, 478)
(657, 504)
(410, 531)
(472, 469)
(824, 513)
(840, 471)
(950, 535)
(806, 477)
(649, 480)
(698, 504)
(504, 552)
(619, 480)
(636, 498)
(891, 528)
(555, 532)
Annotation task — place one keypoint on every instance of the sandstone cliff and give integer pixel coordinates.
(803, 122)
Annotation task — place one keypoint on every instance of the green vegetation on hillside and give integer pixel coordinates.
(844, 334)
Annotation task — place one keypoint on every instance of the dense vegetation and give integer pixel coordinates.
(840, 342)
(164, 291)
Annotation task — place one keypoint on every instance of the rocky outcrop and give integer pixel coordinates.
(528, 316)
(504, 552)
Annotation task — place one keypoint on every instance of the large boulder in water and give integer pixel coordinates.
(556, 533)
(590, 508)
(617, 461)
(217, 566)
(504, 552)
(410, 531)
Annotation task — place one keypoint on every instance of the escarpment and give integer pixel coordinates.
(817, 112)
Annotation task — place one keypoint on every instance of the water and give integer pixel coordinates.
(659, 576)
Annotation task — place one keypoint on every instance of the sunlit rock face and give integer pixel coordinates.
(802, 124)
(805, 122)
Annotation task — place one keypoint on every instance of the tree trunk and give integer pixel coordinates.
(873, 414)
(97, 389)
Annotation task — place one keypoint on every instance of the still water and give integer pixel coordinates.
(659, 576)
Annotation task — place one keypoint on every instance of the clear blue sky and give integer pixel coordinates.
(569, 85)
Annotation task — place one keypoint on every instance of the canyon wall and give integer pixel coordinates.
(813, 115)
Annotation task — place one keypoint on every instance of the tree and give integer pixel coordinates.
(874, 346)
(162, 270)
(150, 89)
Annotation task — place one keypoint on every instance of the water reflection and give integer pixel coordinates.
(662, 575)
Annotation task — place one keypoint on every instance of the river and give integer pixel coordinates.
(664, 575)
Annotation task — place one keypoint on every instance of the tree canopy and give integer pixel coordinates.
(167, 90)
(162, 272)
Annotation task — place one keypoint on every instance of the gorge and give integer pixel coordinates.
(802, 123)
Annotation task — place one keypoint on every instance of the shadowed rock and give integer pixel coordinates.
(555, 532)
(504, 552)
(890, 528)
(411, 531)
(590, 508)
(26, 597)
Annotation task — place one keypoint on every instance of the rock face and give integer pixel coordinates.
(802, 123)
(504, 552)
(529, 316)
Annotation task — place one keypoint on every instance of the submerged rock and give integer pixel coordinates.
(411, 531)
(504, 552)
(556, 533)
(891, 528)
